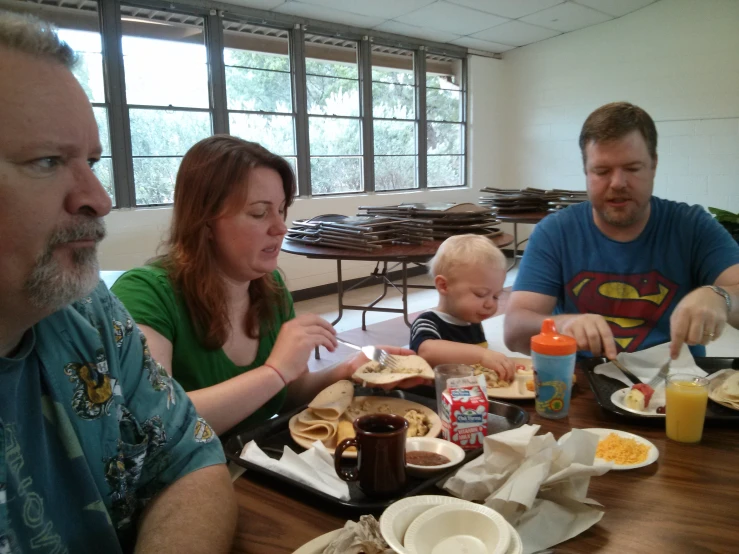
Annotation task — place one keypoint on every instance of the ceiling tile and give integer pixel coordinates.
(451, 18)
(509, 8)
(484, 45)
(259, 4)
(566, 17)
(325, 14)
(386, 9)
(418, 32)
(516, 33)
(616, 7)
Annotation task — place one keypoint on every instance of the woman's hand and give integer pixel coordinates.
(296, 341)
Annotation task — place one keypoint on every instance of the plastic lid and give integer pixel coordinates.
(552, 343)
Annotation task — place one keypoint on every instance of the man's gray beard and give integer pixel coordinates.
(51, 286)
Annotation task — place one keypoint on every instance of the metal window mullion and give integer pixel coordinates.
(464, 122)
(118, 120)
(214, 47)
(368, 133)
(420, 69)
(260, 112)
(169, 108)
(300, 101)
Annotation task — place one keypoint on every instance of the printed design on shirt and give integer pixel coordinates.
(203, 432)
(158, 376)
(4, 544)
(138, 444)
(631, 304)
(93, 395)
(122, 329)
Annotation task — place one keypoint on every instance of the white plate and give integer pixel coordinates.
(396, 519)
(618, 400)
(512, 391)
(319, 544)
(652, 455)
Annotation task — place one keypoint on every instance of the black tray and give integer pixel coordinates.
(604, 387)
(274, 434)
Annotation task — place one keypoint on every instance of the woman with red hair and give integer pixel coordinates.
(215, 311)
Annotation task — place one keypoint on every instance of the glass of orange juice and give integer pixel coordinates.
(685, 410)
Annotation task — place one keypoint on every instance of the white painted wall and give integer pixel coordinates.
(677, 59)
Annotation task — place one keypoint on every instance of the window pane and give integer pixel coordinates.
(254, 90)
(101, 116)
(167, 133)
(103, 169)
(443, 105)
(155, 179)
(395, 172)
(336, 175)
(334, 137)
(388, 75)
(329, 96)
(89, 67)
(444, 138)
(393, 101)
(346, 69)
(274, 132)
(395, 137)
(255, 60)
(162, 71)
(445, 171)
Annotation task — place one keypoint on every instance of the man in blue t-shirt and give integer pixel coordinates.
(100, 450)
(625, 270)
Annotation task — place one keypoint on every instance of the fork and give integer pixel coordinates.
(663, 371)
(382, 357)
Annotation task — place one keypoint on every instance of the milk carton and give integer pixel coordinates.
(464, 412)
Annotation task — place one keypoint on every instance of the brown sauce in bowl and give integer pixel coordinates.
(423, 458)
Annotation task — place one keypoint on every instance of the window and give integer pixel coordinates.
(259, 87)
(168, 97)
(188, 71)
(394, 119)
(334, 126)
(445, 128)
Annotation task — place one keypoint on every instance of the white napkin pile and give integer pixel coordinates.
(314, 467)
(539, 486)
(645, 365)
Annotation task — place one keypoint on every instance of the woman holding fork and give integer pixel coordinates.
(213, 307)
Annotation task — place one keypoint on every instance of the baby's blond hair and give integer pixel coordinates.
(466, 251)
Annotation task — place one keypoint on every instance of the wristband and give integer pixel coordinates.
(277, 371)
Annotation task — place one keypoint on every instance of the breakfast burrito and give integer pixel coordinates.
(409, 367)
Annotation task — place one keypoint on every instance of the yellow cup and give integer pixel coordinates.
(687, 397)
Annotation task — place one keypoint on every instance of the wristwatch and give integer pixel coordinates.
(721, 292)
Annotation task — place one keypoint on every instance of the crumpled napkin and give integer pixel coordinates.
(539, 486)
(645, 364)
(314, 467)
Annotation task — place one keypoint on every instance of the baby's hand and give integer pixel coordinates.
(501, 364)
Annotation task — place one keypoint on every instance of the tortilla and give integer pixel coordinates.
(333, 401)
(316, 431)
(345, 431)
(410, 367)
(724, 389)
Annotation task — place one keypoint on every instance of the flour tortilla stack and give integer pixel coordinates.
(332, 401)
(725, 389)
(316, 431)
(411, 367)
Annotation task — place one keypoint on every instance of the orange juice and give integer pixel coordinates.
(687, 397)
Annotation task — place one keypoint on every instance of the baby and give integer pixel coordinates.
(469, 272)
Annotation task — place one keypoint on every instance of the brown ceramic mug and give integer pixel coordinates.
(380, 444)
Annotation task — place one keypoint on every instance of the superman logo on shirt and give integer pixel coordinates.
(631, 304)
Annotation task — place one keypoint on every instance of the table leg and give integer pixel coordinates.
(383, 274)
(515, 246)
(405, 294)
(340, 292)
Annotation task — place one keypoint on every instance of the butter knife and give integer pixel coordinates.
(633, 378)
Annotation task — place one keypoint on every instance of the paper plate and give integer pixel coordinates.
(652, 455)
(618, 400)
(376, 404)
(319, 544)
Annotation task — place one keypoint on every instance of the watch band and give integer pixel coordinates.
(721, 292)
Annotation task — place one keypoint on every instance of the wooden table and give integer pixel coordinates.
(398, 254)
(530, 218)
(688, 501)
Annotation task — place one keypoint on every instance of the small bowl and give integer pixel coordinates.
(438, 446)
(466, 528)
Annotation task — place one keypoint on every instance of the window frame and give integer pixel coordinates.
(109, 15)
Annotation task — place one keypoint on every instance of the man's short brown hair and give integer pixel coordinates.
(616, 120)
